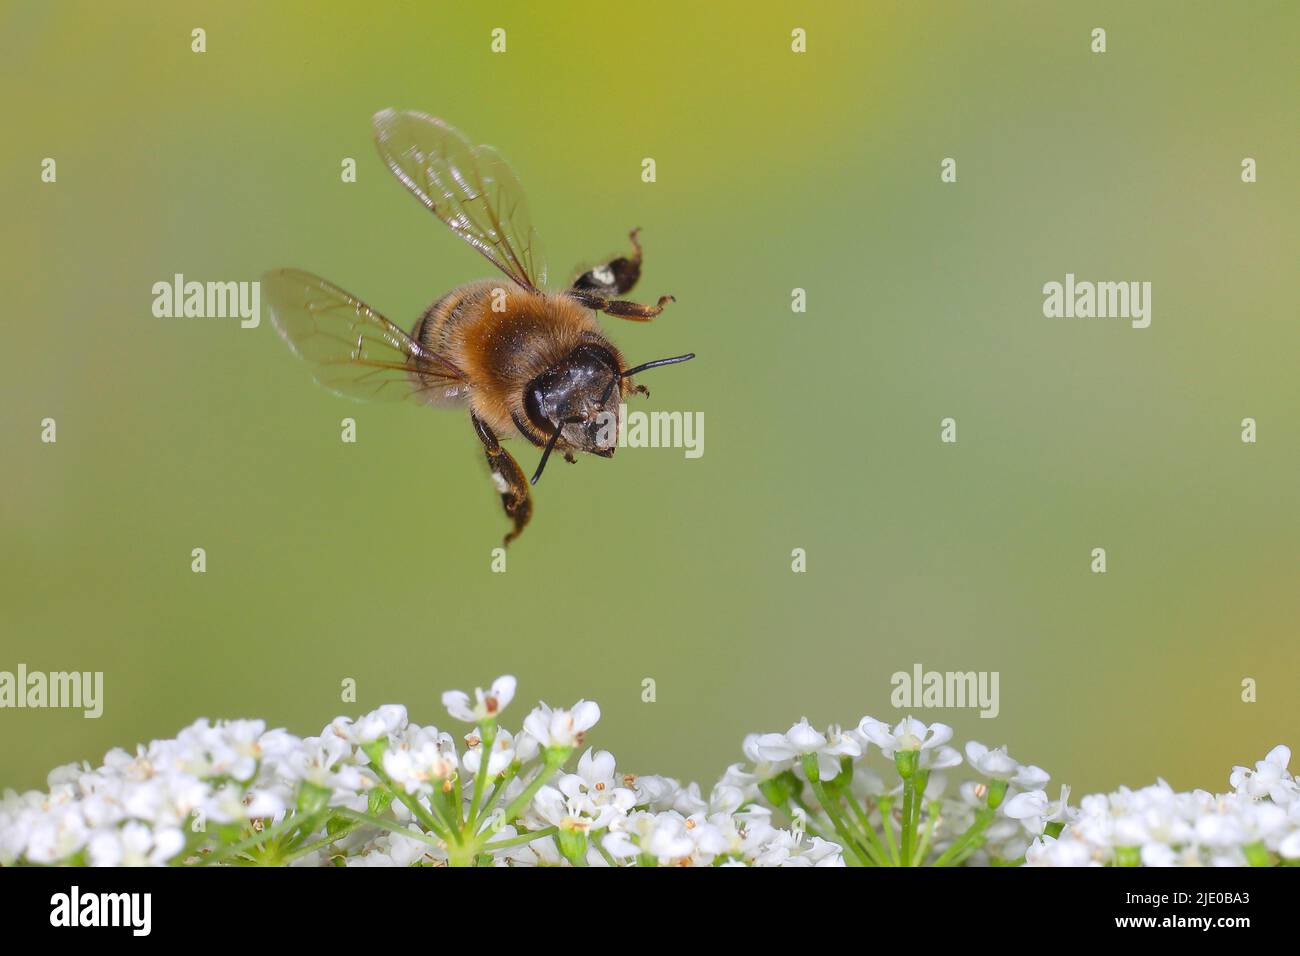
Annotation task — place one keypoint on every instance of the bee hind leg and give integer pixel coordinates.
(615, 277)
(599, 288)
(508, 478)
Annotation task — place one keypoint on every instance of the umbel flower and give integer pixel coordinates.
(379, 790)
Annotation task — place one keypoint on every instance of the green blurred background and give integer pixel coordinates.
(775, 171)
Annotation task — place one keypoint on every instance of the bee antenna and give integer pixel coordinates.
(550, 445)
(546, 453)
(656, 363)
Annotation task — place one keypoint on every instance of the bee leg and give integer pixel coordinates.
(613, 278)
(621, 308)
(568, 456)
(508, 478)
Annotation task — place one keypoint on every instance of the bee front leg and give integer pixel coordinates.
(508, 478)
(621, 308)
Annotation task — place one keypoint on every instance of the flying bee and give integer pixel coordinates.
(520, 358)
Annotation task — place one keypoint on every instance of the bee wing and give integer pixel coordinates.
(354, 351)
(470, 188)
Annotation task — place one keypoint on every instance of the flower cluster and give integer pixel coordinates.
(1254, 825)
(382, 791)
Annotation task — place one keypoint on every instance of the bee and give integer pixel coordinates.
(521, 359)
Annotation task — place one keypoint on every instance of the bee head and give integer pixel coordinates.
(578, 400)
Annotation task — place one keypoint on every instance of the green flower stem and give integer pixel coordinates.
(498, 791)
(392, 826)
(489, 731)
(1128, 856)
(819, 791)
(573, 850)
(860, 830)
(802, 805)
(291, 821)
(526, 837)
(932, 808)
(907, 762)
(982, 820)
(839, 833)
(375, 751)
(453, 802)
(430, 816)
(552, 763)
(873, 844)
(323, 842)
(922, 780)
(1257, 854)
(810, 822)
(909, 797)
(969, 850)
(887, 824)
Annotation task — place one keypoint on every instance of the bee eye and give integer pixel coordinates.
(533, 401)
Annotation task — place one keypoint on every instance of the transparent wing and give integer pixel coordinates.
(353, 350)
(470, 188)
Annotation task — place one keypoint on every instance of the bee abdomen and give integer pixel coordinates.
(437, 327)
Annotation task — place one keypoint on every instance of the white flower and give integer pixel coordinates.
(1062, 851)
(596, 780)
(1035, 811)
(908, 734)
(57, 835)
(417, 763)
(654, 792)
(660, 835)
(139, 806)
(1030, 777)
(798, 740)
(992, 763)
(998, 765)
(561, 728)
(1269, 778)
(324, 761)
(803, 739)
(230, 804)
(838, 744)
(486, 705)
(763, 769)
(574, 811)
(503, 753)
(384, 722)
(743, 782)
(135, 845)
